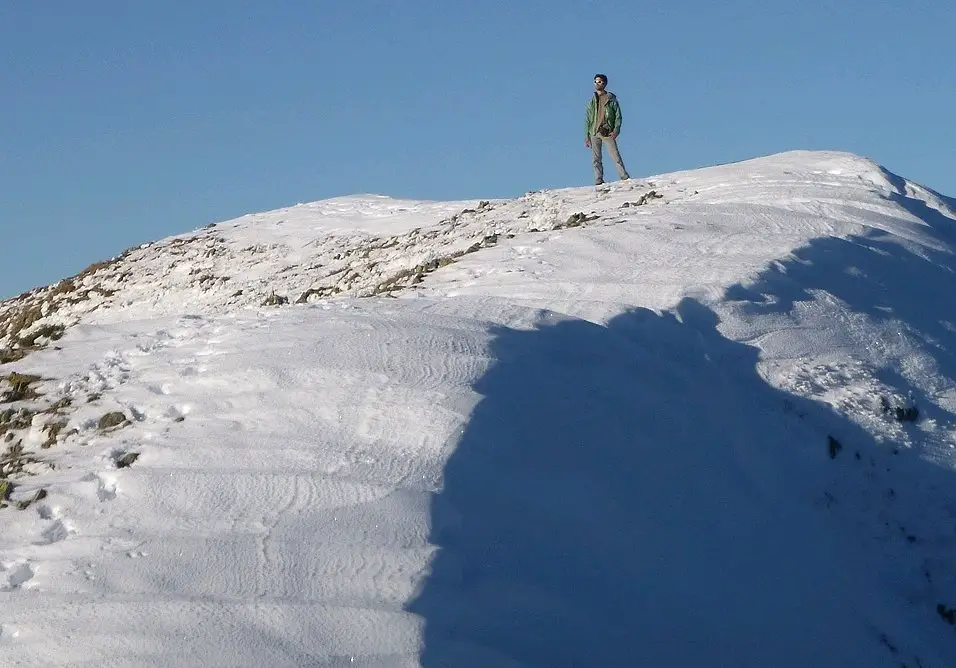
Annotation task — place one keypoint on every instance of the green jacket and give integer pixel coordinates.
(612, 114)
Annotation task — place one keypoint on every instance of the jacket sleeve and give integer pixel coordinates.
(588, 119)
(617, 117)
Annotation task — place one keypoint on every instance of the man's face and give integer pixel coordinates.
(599, 84)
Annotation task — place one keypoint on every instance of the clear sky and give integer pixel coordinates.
(126, 121)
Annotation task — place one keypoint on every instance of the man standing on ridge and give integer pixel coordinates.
(602, 125)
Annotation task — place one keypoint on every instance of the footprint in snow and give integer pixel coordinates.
(48, 512)
(164, 389)
(177, 413)
(16, 575)
(105, 486)
(57, 531)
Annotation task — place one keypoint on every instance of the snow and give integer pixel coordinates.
(502, 433)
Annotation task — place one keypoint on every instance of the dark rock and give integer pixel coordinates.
(111, 420)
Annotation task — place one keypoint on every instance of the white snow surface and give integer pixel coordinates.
(661, 433)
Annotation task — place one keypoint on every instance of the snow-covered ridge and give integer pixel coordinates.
(373, 245)
(700, 418)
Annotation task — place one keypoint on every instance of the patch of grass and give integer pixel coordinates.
(65, 286)
(208, 281)
(105, 291)
(20, 387)
(52, 332)
(14, 419)
(643, 199)
(95, 267)
(52, 431)
(394, 281)
(275, 300)
(16, 377)
(6, 489)
(24, 313)
(316, 292)
(58, 405)
(214, 251)
(575, 220)
(9, 355)
(415, 275)
(20, 320)
(14, 459)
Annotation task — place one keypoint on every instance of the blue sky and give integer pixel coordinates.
(124, 122)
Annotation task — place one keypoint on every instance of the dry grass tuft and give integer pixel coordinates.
(21, 387)
(52, 431)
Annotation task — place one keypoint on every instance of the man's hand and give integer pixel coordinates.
(613, 135)
(587, 142)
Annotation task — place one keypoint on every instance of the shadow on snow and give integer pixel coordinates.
(635, 494)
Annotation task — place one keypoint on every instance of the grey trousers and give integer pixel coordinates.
(597, 158)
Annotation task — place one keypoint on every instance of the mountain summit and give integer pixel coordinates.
(702, 418)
